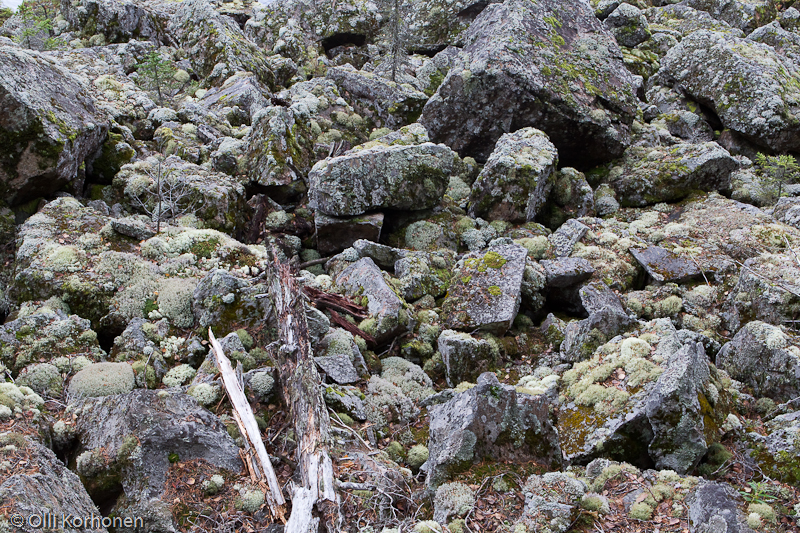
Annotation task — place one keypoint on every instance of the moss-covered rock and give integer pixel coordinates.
(102, 379)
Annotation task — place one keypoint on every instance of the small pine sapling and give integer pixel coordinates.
(775, 170)
(157, 74)
(37, 23)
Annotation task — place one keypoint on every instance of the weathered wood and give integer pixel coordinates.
(300, 383)
(336, 302)
(337, 319)
(243, 414)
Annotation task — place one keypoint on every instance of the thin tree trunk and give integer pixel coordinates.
(314, 500)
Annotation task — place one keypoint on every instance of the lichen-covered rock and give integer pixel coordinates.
(485, 290)
(713, 506)
(386, 309)
(764, 357)
(46, 334)
(383, 174)
(566, 237)
(339, 356)
(215, 198)
(767, 290)
(286, 141)
(228, 302)
(682, 20)
(571, 197)
(124, 442)
(239, 98)
(648, 174)
(42, 485)
(628, 25)
(46, 136)
(419, 274)
(216, 45)
(746, 83)
(664, 266)
(554, 79)
(119, 21)
(102, 379)
(746, 15)
(490, 420)
(382, 102)
(551, 501)
(517, 178)
(465, 357)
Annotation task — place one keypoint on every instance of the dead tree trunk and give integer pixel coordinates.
(314, 500)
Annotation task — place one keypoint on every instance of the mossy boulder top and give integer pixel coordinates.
(102, 379)
(381, 175)
(550, 65)
(46, 135)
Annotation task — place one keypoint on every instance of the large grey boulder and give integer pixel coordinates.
(485, 291)
(403, 173)
(768, 290)
(748, 85)
(565, 76)
(125, 441)
(628, 25)
(490, 421)
(714, 507)
(119, 21)
(384, 103)
(517, 178)
(217, 47)
(746, 15)
(681, 20)
(46, 135)
(44, 486)
(675, 413)
(364, 278)
(465, 357)
(648, 174)
(764, 357)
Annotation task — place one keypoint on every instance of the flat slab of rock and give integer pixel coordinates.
(465, 357)
(46, 135)
(490, 421)
(547, 64)
(338, 367)
(567, 236)
(566, 271)
(485, 290)
(517, 178)
(382, 176)
(664, 266)
(334, 234)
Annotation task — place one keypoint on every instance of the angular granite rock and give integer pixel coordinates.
(764, 357)
(383, 174)
(465, 357)
(664, 266)
(749, 86)
(551, 65)
(485, 291)
(490, 421)
(517, 178)
(46, 135)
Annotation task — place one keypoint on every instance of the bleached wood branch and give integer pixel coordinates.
(248, 427)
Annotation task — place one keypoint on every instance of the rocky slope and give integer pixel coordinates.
(550, 253)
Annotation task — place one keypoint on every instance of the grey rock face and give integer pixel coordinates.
(380, 175)
(765, 358)
(713, 508)
(52, 489)
(744, 15)
(338, 356)
(335, 234)
(664, 266)
(566, 271)
(675, 413)
(505, 83)
(119, 20)
(465, 357)
(382, 102)
(517, 177)
(748, 84)
(650, 174)
(628, 25)
(135, 433)
(45, 135)
(490, 420)
(485, 291)
(566, 236)
(787, 210)
(767, 290)
(221, 293)
(364, 278)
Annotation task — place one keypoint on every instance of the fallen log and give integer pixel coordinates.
(248, 427)
(313, 501)
(337, 319)
(336, 302)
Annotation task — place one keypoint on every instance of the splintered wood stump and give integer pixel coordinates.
(314, 500)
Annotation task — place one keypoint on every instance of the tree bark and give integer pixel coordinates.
(313, 501)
